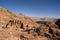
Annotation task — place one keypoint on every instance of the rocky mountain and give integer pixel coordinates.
(21, 27)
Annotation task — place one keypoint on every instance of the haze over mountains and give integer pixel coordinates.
(21, 27)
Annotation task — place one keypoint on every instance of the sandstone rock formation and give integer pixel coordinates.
(20, 27)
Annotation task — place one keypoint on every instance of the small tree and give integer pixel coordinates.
(37, 30)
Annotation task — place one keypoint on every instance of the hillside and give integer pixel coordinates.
(21, 27)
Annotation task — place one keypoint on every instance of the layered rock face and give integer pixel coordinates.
(20, 27)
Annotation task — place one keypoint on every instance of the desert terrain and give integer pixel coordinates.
(21, 27)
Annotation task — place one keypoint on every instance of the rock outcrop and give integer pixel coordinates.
(58, 23)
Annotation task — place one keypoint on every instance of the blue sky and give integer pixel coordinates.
(34, 8)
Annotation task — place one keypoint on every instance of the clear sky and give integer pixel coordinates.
(34, 8)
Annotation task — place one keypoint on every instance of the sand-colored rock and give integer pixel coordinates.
(20, 27)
